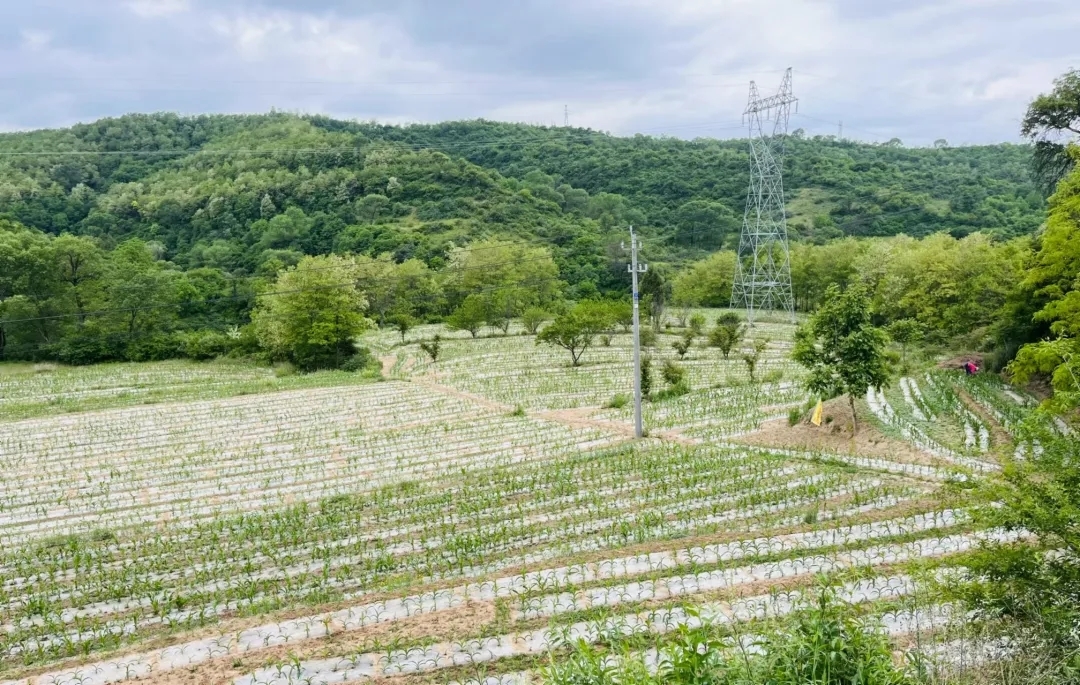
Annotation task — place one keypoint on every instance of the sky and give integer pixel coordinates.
(918, 70)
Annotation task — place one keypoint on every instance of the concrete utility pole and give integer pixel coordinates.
(636, 269)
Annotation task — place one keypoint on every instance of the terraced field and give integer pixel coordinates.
(467, 519)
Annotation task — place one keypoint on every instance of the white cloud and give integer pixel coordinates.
(158, 8)
(916, 69)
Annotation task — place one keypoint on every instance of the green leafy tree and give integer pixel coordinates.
(624, 314)
(1051, 281)
(728, 333)
(312, 313)
(905, 332)
(533, 318)
(81, 265)
(403, 322)
(841, 349)
(752, 357)
(1050, 120)
(646, 377)
(470, 316)
(655, 293)
(432, 347)
(672, 373)
(697, 324)
(683, 344)
(575, 330)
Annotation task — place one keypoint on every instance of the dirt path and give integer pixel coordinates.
(388, 363)
(836, 438)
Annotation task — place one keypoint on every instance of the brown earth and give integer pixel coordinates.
(836, 437)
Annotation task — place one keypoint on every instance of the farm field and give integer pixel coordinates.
(465, 520)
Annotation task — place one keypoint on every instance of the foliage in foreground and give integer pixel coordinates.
(1034, 588)
(828, 644)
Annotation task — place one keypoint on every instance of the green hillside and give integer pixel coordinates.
(206, 188)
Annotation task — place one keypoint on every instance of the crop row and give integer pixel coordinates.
(554, 579)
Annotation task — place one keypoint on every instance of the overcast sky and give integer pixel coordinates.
(919, 70)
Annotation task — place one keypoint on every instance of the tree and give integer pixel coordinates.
(470, 316)
(575, 330)
(753, 356)
(728, 333)
(370, 207)
(673, 374)
(267, 210)
(697, 324)
(905, 332)
(624, 314)
(646, 376)
(1050, 120)
(81, 264)
(655, 291)
(312, 313)
(843, 352)
(700, 223)
(431, 347)
(533, 318)
(403, 322)
(683, 344)
(706, 283)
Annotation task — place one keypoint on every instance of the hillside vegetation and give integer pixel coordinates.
(205, 187)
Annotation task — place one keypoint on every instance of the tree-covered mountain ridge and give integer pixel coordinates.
(233, 191)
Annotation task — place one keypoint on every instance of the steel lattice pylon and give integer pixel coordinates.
(763, 272)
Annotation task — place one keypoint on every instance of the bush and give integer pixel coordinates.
(618, 401)
(360, 361)
(697, 324)
(205, 344)
(672, 373)
(284, 370)
(86, 348)
(647, 337)
(155, 348)
(825, 645)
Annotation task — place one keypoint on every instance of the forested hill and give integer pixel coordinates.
(234, 191)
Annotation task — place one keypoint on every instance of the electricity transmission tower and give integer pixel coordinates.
(763, 272)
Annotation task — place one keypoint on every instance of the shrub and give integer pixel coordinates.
(646, 376)
(618, 401)
(360, 361)
(284, 369)
(155, 348)
(672, 373)
(205, 344)
(697, 324)
(431, 347)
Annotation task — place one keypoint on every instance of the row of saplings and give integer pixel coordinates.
(579, 327)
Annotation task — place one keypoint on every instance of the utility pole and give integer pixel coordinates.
(566, 116)
(841, 136)
(636, 269)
